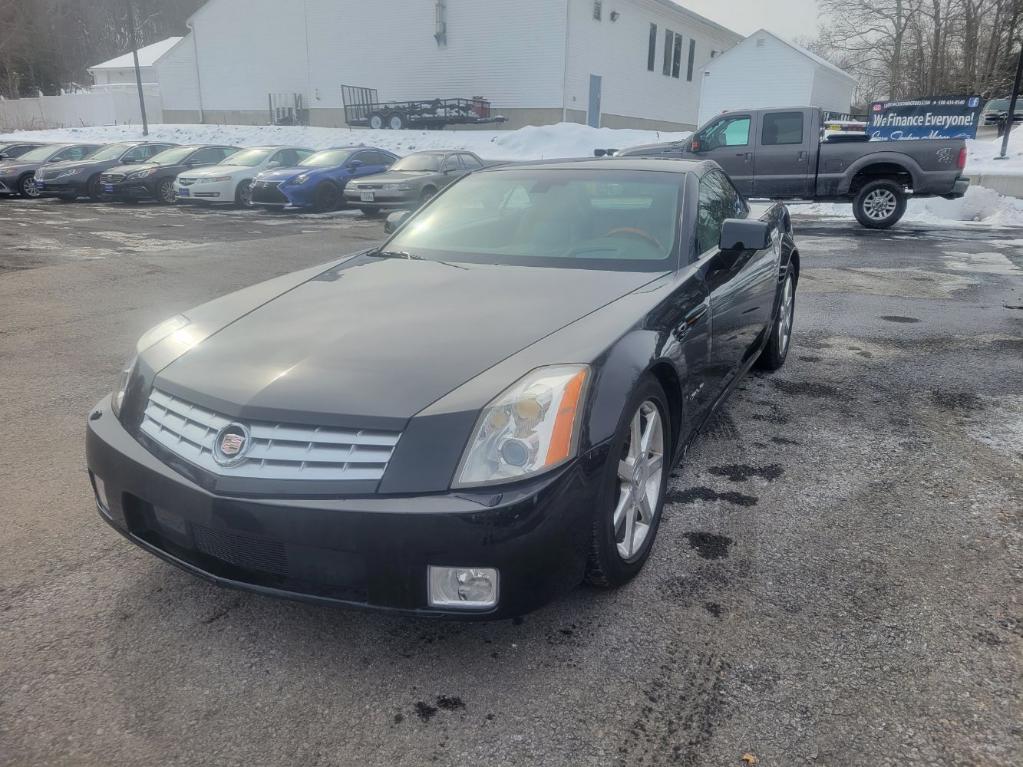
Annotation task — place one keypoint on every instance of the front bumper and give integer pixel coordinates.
(277, 195)
(382, 198)
(8, 186)
(60, 188)
(959, 189)
(369, 552)
(200, 192)
(131, 190)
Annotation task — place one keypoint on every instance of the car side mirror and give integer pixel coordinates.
(695, 145)
(355, 164)
(395, 220)
(743, 234)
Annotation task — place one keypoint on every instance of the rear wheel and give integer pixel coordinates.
(427, 195)
(879, 204)
(27, 186)
(397, 121)
(165, 191)
(777, 349)
(243, 194)
(376, 121)
(325, 197)
(628, 516)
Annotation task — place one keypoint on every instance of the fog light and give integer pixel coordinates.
(101, 492)
(469, 588)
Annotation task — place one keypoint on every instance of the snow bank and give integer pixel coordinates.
(979, 206)
(530, 143)
(981, 155)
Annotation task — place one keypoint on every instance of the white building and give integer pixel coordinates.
(122, 69)
(614, 63)
(765, 71)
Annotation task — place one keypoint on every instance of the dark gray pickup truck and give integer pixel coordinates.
(779, 154)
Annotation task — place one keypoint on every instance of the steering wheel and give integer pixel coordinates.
(636, 233)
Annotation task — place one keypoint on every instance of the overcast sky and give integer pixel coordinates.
(788, 18)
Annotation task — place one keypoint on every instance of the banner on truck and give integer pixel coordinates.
(952, 117)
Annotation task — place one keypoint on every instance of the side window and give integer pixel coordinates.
(730, 131)
(471, 162)
(733, 204)
(377, 158)
(285, 158)
(155, 149)
(208, 156)
(718, 201)
(300, 154)
(71, 153)
(782, 128)
(451, 163)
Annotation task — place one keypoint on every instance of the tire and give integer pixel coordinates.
(27, 186)
(879, 204)
(325, 197)
(614, 562)
(370, 212)
(376, 121)
(92, 189)
(778, 343)
(165, 194)
(243, 194)
(397, 121)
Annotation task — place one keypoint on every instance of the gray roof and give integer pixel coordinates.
(797, 48)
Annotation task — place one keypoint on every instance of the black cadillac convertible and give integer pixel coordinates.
(468, 420)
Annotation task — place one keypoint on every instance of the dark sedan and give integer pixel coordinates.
(154, 179)
(411, 181)
(15, 149)
(81, 178)
(468, 420)
(18, 176)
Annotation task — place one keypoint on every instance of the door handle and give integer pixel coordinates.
(747, 155)
(689, 321)
(801, 157)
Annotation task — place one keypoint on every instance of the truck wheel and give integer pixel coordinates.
(397, 121)
(376, 121)
(879, 204)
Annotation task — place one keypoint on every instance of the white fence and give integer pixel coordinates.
(107, 105)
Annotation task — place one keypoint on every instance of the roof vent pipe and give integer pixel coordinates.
(441, 31)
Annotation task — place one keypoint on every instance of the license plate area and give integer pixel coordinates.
(368, 196)
(182, 192)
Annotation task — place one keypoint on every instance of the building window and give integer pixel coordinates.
(651, 51)
(598, 9)
(676, 60)
(692, 60)
(669, 39)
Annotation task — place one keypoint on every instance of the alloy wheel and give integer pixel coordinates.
(880, 204)
(166, 191)
(28, 186)
(785, 316)
(639, 481)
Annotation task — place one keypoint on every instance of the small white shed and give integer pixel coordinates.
(765, 71)
(122, 69)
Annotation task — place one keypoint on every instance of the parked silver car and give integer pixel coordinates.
(411, 181)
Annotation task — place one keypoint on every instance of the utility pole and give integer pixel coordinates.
(138, 71)
(1012, 106)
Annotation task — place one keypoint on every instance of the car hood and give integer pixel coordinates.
(126, 169)
(218, 170)
(643, 149)
(373, 341)
(397, 177)
(286, 174)
(14, 167)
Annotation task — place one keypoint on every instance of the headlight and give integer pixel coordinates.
(214, 180)
(531, 427)
(300, 179)
(148, 339)
(122, 386)
(142, 173)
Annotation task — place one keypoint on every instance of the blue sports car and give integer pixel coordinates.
(318, 182)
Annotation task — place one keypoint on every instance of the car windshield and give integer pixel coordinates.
(247, 157)
(40, 154)
(997, 105)
(111, 152)
(328, 158)
(419, 162)
(171, 156)
(589, 219)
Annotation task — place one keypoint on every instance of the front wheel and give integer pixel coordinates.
(325, 197)
(777, 349)
(165, 191)
(27, 186)
(879, 204)
(243, 194)
(636, 479)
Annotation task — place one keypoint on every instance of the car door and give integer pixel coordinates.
(741, 284)
(135, 155)
(728, 142)
(782, 157)
(372, 162)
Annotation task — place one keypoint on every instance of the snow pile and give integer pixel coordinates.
(981, 155)
(530, 143)
(980, 205)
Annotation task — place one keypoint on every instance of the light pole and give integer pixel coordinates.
(1012, 107)
(138, 71)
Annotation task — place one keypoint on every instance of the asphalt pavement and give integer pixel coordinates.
(837, 579)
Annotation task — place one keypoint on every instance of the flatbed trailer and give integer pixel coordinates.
(363, 108)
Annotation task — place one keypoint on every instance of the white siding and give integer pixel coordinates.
(175, 71)
(752, 77)
(617, 51)
(831, 91)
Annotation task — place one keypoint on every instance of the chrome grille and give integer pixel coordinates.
(112, 178)
(276, 451)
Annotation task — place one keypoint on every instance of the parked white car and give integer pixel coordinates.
(231, 179)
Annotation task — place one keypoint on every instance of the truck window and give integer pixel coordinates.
(782, 128)
(729, 131)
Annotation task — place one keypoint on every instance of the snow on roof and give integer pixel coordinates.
(148, 56)
(797, 48)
